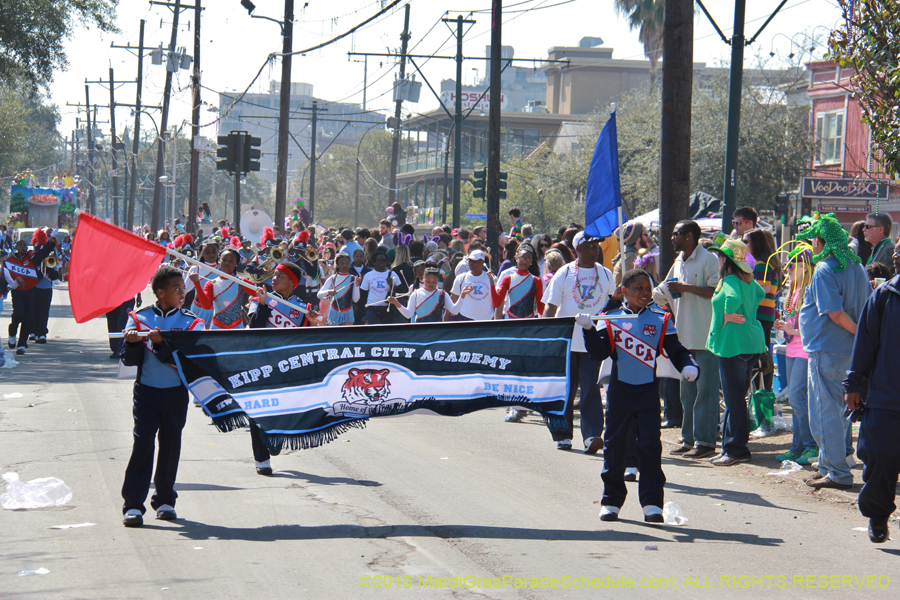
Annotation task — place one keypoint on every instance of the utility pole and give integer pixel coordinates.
(457, 117)
(493, 167)
(732, 135)
(155, 222)
(675, 126)
(136, 136)
(395, 145)
(312, 166)
(284, 121)
(359, 145)
(312, 157)
(193, 205)
(89, 140)
(112, 146)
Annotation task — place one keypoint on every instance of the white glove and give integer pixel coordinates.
(584, 320)
(690, 373)
(194, 270)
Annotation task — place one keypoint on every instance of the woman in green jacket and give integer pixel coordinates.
(736, 337)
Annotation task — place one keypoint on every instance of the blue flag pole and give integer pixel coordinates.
(603, 197)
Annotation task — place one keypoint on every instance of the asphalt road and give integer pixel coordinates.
(410, 507)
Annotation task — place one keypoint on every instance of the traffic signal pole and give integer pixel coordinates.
(238, 153)
(493, 166)
(395, 143)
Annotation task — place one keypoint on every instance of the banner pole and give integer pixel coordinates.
(197, 263)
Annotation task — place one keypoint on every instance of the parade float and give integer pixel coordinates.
(52, 206)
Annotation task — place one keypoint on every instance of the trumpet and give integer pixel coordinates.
(51, 262)
(312, 255)
(277, 254)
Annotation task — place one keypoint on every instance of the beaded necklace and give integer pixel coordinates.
(582, 294)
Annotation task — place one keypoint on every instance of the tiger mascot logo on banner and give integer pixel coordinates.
(366, 386)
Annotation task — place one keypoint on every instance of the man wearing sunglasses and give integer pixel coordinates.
(743, 220)
(877, 231)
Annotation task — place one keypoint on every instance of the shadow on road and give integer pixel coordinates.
(734, 496)
(59, 361)
(199, 531)
(319, 480)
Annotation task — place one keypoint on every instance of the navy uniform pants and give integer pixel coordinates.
(260, 452)
(879, 449)
(43, 298)
(158, 413)
(23, 302)
(636, 405)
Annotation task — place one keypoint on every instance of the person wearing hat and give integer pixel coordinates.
(478, 305)
(832, 305)
(583, 286)
(633, 236)
(736, 338)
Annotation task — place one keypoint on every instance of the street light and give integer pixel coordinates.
(284, 105)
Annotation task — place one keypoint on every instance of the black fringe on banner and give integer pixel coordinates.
(313, 439)
(231, 422)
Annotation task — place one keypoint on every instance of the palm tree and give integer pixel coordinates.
(648, 17)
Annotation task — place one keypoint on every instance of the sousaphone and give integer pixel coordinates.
(253, 222)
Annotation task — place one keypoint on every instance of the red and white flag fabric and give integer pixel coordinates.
(108, 266)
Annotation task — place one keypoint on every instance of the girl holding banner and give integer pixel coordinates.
(343, 290)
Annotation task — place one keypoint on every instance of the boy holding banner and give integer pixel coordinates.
(160, 398)
(633, 391)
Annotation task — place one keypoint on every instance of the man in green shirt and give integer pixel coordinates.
(877, 232)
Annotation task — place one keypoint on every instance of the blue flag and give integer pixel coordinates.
(604, 194)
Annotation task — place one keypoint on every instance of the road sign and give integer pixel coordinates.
(476, 216)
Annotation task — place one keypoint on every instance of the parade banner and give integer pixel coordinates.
(304, 387)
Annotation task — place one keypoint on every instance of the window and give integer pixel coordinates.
(830, 137)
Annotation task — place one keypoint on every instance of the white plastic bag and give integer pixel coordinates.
(672, 514)
(37, 493)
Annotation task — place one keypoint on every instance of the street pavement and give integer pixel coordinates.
(409, 507)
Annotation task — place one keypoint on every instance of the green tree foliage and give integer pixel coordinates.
(335, 199)
(28, 136)
(868, 44)
(33, 34)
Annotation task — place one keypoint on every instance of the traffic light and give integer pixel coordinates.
(480, 182)
(502, 185)
(251, 154)
(226, 152)
(806, 207)
(782, 209)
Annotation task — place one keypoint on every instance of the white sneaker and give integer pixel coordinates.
(630, 474)
(264, 468)
(609, 513)
(564, 445)
(166, 513)
(11, 341)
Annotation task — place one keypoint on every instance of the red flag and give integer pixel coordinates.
(108, 266)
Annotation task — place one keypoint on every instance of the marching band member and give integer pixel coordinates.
(634, 392)
(160, 398)
(43, 291)
(427, 303)
(23, 266)
(343, 290)
(266, 311)
(524, 289)
(209, 256)
(221, 296)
